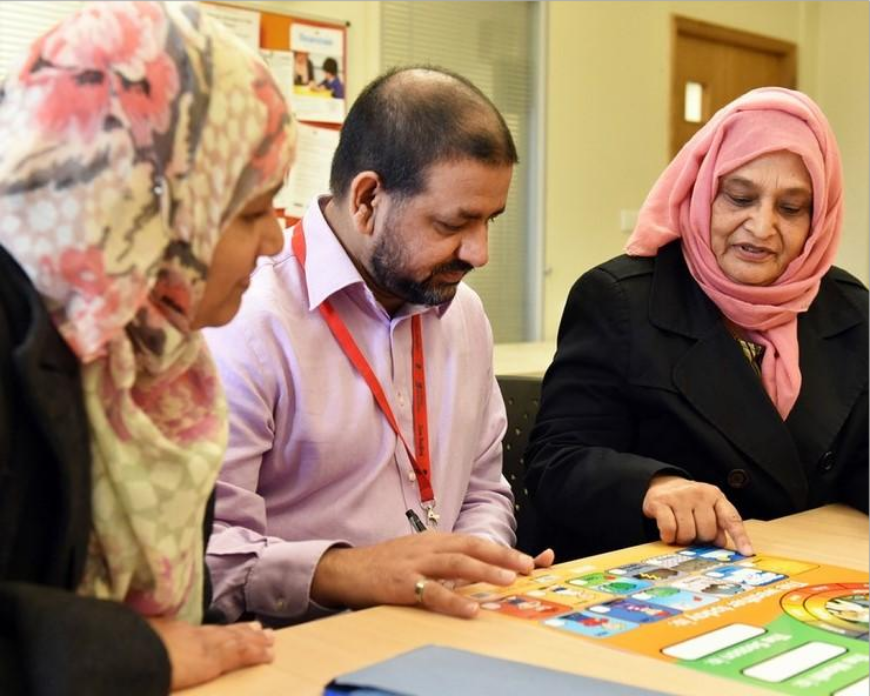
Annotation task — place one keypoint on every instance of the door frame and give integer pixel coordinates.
(684, 26)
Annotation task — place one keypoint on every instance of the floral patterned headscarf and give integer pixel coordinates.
(132, 134)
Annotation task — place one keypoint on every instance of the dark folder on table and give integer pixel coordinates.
(438, 671)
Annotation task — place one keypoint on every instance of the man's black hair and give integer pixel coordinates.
(330, 65)
(407, 120)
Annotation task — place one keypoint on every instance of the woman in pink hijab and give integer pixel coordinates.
(142, 147)
(718, 371)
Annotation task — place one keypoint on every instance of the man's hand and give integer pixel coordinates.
(387, 573)
(688, 511)
(545, 558)
(201, 653)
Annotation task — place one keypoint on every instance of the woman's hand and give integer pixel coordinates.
(688, 511)
(199, 654)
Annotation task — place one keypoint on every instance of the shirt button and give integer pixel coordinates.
(279, 603)
(826, 463)
(738, 478)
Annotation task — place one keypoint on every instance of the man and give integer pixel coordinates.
(320, 493)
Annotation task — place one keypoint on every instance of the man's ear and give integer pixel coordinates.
(364, 195)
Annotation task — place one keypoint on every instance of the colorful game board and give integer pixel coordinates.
(787, 625)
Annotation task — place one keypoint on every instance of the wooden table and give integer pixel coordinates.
(310, 655)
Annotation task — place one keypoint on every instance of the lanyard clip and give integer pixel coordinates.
(432, 517)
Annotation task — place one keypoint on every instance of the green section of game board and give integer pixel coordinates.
(783, 634)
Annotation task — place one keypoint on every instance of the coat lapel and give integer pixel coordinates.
(48, 370)
(716, 379)
(833, 372)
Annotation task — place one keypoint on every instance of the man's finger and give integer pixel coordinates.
(486, 551)
(450, 566)
(545, 558)
(438, 598)
(730, 521)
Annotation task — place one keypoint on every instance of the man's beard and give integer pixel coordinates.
(388, 260)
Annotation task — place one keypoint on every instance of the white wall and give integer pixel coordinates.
(607, 122)
(843, 75)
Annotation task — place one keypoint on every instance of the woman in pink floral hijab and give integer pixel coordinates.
(142, 148)
(718, 370)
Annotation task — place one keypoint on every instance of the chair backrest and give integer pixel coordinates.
(522, 398)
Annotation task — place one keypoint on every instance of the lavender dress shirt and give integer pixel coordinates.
(312, 462)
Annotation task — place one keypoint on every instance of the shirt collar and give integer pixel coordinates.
(328, 268)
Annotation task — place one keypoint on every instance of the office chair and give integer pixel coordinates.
(522, 396)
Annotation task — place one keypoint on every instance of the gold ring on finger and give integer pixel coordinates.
(419, 589)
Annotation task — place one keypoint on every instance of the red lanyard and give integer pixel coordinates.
(354, 354)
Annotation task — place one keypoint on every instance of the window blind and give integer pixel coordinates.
(492, 45)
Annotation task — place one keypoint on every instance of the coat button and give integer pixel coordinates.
(738, 478)
(826, 463)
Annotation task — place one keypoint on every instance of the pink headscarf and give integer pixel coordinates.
(760, 122)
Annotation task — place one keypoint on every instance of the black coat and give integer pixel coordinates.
(51, 640)
(647, 379)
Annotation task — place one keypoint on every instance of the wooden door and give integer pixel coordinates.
(722, 63)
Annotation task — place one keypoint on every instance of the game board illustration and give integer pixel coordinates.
(792, 626)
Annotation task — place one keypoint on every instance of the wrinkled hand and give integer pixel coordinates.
(386, 573)
(201, 653)
(688, 511)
